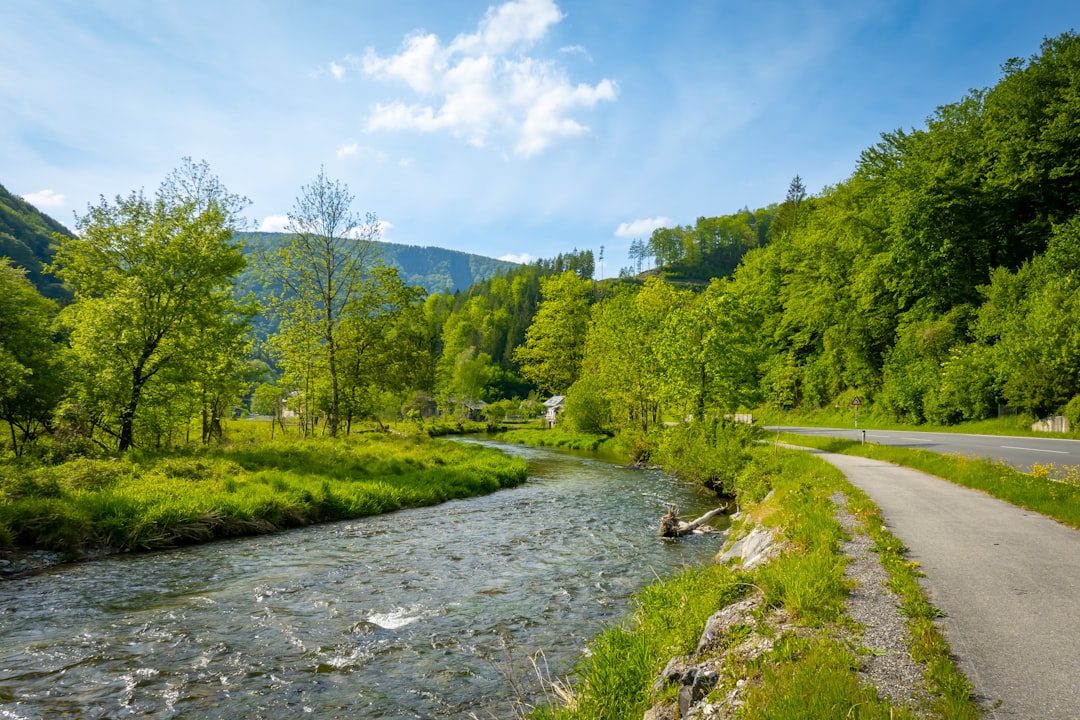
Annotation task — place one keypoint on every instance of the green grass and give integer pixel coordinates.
(811, 672)
(614, 679)
(1018, 425)
(148, 500)
(556, 438)
(1052, 492)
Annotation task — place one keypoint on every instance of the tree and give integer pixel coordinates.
(555, 342)
(787, 217)
(382, 345)
(322, 265)
(152, 280)
(30, 361)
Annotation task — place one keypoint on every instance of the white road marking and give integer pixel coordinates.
(1058, 452)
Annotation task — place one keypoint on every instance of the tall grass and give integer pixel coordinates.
(811, 671)
(148, 500)
(613, 680)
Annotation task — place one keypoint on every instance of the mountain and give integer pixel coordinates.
(435, 269)
(26, 236)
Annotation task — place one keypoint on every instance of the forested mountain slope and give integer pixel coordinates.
(433, 268)
(26, 236)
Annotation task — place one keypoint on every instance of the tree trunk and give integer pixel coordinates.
(335, 401)
(672, 526)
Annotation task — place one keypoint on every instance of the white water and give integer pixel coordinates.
(425, 613)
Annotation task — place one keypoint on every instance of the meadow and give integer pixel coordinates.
(250, 484)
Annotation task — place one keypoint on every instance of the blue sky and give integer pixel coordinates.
(519, 129)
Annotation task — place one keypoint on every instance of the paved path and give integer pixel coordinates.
(1007, 579)
(1019, 452)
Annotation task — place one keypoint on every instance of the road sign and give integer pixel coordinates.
(856, 401)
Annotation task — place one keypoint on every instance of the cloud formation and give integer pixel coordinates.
(642, 227)
(520, 258)
(482, 85)
(45, 199)
(274, 223)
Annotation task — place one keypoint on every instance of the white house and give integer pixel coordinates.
(553, 406)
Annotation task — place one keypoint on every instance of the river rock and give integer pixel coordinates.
(751, 549)
(695, 686)
(673, 672)
(660, 711)
(720, 622)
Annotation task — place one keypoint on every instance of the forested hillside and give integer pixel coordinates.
(939, 282)
(433, 268)
(26, 237)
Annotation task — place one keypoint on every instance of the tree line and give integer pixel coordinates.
(938, 282)
(156, 339)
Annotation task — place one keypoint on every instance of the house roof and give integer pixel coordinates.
(554, 401)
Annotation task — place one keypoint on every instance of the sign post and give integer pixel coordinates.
(855, 404)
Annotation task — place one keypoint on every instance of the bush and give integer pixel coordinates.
(1072, 413)
(587, 410)
(710, 452)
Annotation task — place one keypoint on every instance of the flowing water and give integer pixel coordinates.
(427, 613)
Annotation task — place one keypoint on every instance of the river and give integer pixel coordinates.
(424, 613)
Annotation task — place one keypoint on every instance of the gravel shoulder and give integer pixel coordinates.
(1006, 579)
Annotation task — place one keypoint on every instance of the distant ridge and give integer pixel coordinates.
(26, 236)
(433, 268)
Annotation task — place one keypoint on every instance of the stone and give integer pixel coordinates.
(660, 711)
(720, 622)
(673, 672)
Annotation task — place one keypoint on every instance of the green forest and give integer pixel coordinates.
(938, 283)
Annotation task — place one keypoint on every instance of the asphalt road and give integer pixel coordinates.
(1006, 579)
(1020, 452)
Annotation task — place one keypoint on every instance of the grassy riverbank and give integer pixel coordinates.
(146, 500)
(1052, 491)
(557, 438)
(810, 648)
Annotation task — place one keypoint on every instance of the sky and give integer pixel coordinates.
(516, 130)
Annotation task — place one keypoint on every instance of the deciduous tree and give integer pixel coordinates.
(152, 278)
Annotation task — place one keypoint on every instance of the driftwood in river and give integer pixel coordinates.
(672, 526)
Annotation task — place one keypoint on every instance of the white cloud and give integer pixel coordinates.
(338, 71)
(642, 227)
(520, 258)
(576, 50)
(347, 150)
(481, 86)
(274, 223)
(45, 199)
(364, 231)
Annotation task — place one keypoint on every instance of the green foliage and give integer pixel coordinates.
(557, 438)
(555, 341)
(153, 312)
(814, 679)
(31, 368)
(587, 409)
(709, 452)
(26, 237)
(1072, 412)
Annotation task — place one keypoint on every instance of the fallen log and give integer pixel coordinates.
(672, 526)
